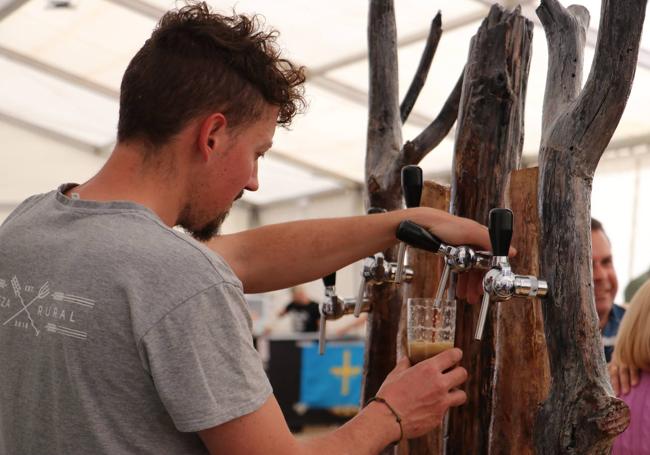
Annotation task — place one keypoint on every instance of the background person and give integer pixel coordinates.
(622, 377)
(304, 312)
(605, 287)
(633, 350)
(635, 284)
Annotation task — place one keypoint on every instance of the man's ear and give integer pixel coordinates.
(212, 135)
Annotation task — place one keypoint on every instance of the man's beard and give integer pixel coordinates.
(207, 230)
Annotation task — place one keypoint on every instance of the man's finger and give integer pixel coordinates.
(402, 364)
(456, 398)
(455, 377)
(446, 359)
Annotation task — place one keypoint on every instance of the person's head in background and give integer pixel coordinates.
(605, 280)
(633, 343)
(299, 296)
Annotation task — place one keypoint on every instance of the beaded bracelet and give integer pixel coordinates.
(397, 417)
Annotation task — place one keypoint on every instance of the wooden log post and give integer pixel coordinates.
(489, 142)
(522, 371)
(428, 270)
(384, 143)
(580, 415)
(385, 158)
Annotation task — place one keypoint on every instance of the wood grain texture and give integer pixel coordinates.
(580, 415)
(383, 189)
(488, 147)
(428, 269)
(522, 371)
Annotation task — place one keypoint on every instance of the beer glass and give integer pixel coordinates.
(430, 326)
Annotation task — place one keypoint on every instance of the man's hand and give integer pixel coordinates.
(456, 231)
(622, 377)
(422, 394)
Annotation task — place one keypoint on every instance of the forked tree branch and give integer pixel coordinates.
(422, 72)
(580, 414)
(414, 151)
(566, 31)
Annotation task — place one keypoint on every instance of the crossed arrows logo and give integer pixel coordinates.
(43, 292)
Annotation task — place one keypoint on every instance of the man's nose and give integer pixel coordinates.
(599, 272)
(253, 183)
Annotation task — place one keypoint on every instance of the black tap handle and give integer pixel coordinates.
(500, 227)
(330, 280)
(412, 185)
(416, 236)
(373, 210)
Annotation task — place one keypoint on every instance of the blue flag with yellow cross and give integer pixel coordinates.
(333, 379)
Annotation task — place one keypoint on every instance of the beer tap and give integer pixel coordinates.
(376, 270)
(333, 307)
(457, 258)
(500, 283)
(412, 192)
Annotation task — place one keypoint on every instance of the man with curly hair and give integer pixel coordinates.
(122, 335)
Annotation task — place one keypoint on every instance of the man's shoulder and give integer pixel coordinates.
(26, 205)
(614, 321)
(178, 252)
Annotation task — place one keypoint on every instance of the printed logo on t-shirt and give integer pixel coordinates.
(299, 321)
(41, 310)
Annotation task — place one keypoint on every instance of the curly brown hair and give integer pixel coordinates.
(197, 61)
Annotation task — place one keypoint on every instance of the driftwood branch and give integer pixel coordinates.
(523, 375)
(383, 187)
(421, 73)
(598, 110)
(489, 141)
(384, 140)
(566, 32)
(580, 415)
(414, 151)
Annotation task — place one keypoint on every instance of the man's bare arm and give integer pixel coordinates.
(421, 395)
(283, 255)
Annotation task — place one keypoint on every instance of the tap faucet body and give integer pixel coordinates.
(333, 307)
(500, 283)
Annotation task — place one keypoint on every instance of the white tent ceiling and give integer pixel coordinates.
(60, 70)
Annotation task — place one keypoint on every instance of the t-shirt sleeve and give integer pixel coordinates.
(23, 207)
(202, 360)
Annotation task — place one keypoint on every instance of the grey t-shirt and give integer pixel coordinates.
(118, 335)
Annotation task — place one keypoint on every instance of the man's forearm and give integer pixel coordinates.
(282, 255)
(368, 433)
